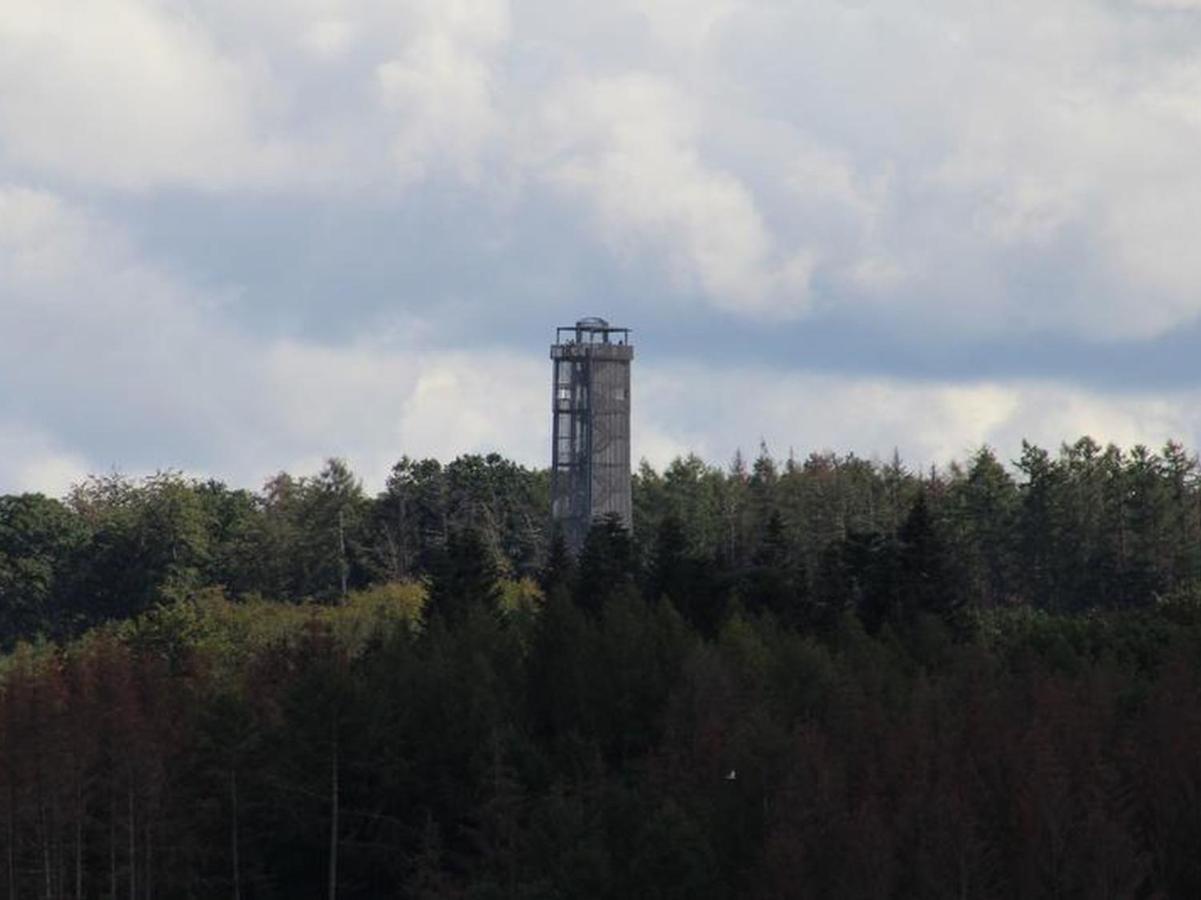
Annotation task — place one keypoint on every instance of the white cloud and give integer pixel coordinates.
(32, 461)
(328, 39)
(123, 93)
(714, 411)
(961, 172)
(441, 97)
(821, 178)
(440, 88)
(765, 157)
(1068, 147)
(124, 366)
(682, 24)
(628, 147)
(134, 94)
(142, 373)
(371, 402)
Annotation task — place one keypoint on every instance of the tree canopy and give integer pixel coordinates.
(828, 677)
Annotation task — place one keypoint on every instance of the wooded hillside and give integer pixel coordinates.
(819, 678)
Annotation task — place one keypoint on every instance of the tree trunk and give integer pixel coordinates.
(112, 846)
(148, 876)
(45, 829)
(333, 815)
(12, 841)
(233, 834)
(133, 858)
(402, 539)
(79, 813)
(343, 564)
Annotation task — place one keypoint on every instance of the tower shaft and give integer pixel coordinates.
(590, 450)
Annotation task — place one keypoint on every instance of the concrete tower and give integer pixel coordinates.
(590, 450)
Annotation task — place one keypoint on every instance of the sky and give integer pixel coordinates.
(242, 237)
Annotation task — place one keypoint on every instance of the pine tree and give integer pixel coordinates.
(465, 577)
(777, 579)
(607, 563)
(559, 571)
(924, 583)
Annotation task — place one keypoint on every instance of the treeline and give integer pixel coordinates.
(1087, 527)
(115, 546)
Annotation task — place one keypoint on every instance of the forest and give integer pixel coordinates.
(818, 677)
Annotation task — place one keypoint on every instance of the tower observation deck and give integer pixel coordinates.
(590, 442)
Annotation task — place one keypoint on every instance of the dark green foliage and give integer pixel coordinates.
(560, 670)
(559, 571)
(148, 543)
(680, 575)
(982, 516)
(608, 564)
(1089, 527)
(40, 543)
(922, 567)
(504, 502)
(868, 564)
(668, 573)
(331, 519)
(464, 577)
(118, 546)
(618, 754)
(974, 683)
(776, 581)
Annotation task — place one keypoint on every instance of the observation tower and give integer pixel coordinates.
(590, 442)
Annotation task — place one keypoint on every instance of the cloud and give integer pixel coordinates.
(682, 24)
(1173, 5)
(125, 94)
(135, 95)
(31, 461)
(124, 366)
(763, 160)
(714, 411)
(112, 361)
(441, 95)
(207, 210)
(627, 147)
(440, 87)
(328, 39)
(373, 402)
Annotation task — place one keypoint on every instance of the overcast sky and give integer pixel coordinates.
(238, 237)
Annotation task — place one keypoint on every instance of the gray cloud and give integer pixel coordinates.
(252, 234)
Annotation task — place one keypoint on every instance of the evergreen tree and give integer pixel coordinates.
(1184, 514)
(776, 581)
(924, 585)
(332, 515)
(465, 577)
(1040, 525)
(411, 517)
(870, 563)
(1145, 542)
(668, 573)
(984, 509)
(607, 563)
(559, 571)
